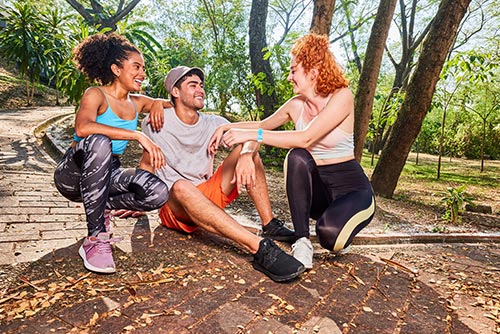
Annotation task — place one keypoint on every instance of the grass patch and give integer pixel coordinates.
(418, 183)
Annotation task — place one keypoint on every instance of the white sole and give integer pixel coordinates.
(90, 267)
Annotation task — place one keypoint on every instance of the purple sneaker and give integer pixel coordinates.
(96, 253)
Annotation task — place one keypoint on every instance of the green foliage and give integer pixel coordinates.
(24, 41)
(469, 94)
(137, 33)
(455, 200)
(71, 81)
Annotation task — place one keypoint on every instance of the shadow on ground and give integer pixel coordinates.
(175, 283)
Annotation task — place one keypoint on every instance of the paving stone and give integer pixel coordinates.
(82, 313)
(33, 227)
(266, 325)
(16, 210)
(63, 234)
(114, 325)
(14, 218)
(320, 326)
(72, 211)
(379, 312)
(18, 237)
(231, 318)
(31, 204)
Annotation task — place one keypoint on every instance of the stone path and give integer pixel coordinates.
(168, 282)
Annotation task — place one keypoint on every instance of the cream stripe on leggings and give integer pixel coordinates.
(338, 196)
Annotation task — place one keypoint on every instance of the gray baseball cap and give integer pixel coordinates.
(175, 74)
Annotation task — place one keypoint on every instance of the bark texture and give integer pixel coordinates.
(363, 103)
(418, 97)
(266, 100)
(322, 16)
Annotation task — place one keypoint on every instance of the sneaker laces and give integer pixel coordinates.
(298, 243)
(278, 222)
(269, 254)
(274, 224)
(104, 246)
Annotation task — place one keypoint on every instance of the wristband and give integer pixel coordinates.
(260, 132)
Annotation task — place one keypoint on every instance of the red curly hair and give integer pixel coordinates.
(313, 51)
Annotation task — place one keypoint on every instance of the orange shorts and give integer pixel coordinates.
(212, 190)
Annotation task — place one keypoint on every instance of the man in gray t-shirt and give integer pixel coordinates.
(198, 194)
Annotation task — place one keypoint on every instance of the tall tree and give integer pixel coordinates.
(322, 16)
(261, 67)
(102, 16)
(369, 74)
(419, 96)
(411, 39)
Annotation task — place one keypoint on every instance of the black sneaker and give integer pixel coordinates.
(275, 263)
(277, 230)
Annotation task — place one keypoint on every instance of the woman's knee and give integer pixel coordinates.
(98, 143)
(298, 155)
(327, 236)
(160, 194)
(337, 233)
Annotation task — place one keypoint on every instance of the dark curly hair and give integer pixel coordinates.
(313, 51)
(95, 55)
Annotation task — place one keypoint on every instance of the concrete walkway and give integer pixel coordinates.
(168, 282)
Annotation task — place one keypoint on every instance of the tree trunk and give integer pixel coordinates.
(266, 100)
(363, 103)
(419, 96)
(409, 44)
(322, 16)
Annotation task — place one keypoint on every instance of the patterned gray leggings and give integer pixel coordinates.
(89, 173)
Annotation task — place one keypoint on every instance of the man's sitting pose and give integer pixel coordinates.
(197, 194)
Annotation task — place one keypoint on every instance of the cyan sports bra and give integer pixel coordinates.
(336, 144)
(112, 119)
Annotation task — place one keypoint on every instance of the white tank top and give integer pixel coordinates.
(336, 144)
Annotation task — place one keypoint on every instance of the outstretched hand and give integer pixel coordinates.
(238, 136)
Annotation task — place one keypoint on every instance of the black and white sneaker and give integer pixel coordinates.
(277, 230)
(275, 263)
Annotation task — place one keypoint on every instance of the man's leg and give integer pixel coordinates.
(272, 227)
(188, 203)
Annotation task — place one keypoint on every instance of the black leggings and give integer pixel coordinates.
(89, 173)
(338, 196)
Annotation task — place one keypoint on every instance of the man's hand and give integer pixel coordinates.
(244, 172)
(213, 144)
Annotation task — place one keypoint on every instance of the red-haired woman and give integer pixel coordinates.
(323, 179)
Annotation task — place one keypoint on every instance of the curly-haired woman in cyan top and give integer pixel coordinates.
(90, 171)
(323, 180)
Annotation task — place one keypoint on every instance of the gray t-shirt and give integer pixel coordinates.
(185, 146)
